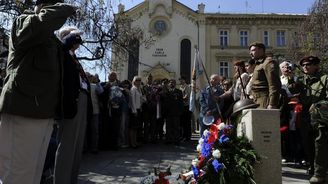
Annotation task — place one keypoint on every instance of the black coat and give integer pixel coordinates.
(173, 103)
(71, 87)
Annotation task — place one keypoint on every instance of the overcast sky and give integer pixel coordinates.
(239, 6)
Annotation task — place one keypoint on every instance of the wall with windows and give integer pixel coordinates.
(221, 38)
(228, 36)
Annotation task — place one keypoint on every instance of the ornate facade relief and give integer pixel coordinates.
(159, 72)
(165, 5)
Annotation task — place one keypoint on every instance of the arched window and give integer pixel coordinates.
(185, 59)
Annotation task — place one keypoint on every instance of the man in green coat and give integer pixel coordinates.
(313, 96)
(31, 95)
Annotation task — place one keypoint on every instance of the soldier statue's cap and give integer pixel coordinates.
(257, 44)
(48, 1)
(310, 59)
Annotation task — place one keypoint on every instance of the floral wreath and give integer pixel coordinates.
(223, 158)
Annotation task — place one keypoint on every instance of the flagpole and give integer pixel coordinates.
(241, 83)
(193, 87)
(208, 81)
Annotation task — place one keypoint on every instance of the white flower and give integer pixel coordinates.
(221, 126)
(150, 179)
(199, 148)
(194, 162)
(201, 141)
(206, 132)
(190, 173)
(216, 154)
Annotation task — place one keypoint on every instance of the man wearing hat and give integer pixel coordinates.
(265, 82)
(313, 96)
(31, 93)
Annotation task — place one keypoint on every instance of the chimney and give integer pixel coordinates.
(201, 8)
(121, 8)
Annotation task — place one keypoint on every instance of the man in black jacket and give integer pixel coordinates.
(77, 108)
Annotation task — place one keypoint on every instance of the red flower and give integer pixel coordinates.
(161, 178)
(214, 134)
(283, 129)
(201, 162)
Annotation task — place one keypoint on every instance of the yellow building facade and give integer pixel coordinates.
(221, 38)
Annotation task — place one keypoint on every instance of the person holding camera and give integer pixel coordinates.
(287, 76)
(292, 149)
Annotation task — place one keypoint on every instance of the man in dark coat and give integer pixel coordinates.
(31, 93)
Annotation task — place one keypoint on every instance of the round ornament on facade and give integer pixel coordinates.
(160, 27)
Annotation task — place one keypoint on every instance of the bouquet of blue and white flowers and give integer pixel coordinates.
(223, 158)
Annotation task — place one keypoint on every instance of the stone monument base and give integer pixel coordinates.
(261, 127)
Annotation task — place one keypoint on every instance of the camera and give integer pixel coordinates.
(290, 67)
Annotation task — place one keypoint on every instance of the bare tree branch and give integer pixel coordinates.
(100, 25)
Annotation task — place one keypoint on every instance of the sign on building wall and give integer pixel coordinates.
(159, 52)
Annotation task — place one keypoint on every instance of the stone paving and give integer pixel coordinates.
(129, 165)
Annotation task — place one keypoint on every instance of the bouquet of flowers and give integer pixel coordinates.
(223, 158)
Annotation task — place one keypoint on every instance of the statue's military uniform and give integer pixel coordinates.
(266, 83)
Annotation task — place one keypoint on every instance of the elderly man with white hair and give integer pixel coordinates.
(77, 109)
(287, 76)
(290, 132)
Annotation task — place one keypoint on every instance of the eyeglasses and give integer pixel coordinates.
(307, 64)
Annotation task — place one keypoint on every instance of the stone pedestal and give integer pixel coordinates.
(261, 127)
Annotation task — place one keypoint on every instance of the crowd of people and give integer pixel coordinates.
(52, 110)
(133, 113)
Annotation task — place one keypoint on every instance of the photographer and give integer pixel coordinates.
(287, 76)
(291, 146)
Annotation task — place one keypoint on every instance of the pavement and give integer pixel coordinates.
(128, 166)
